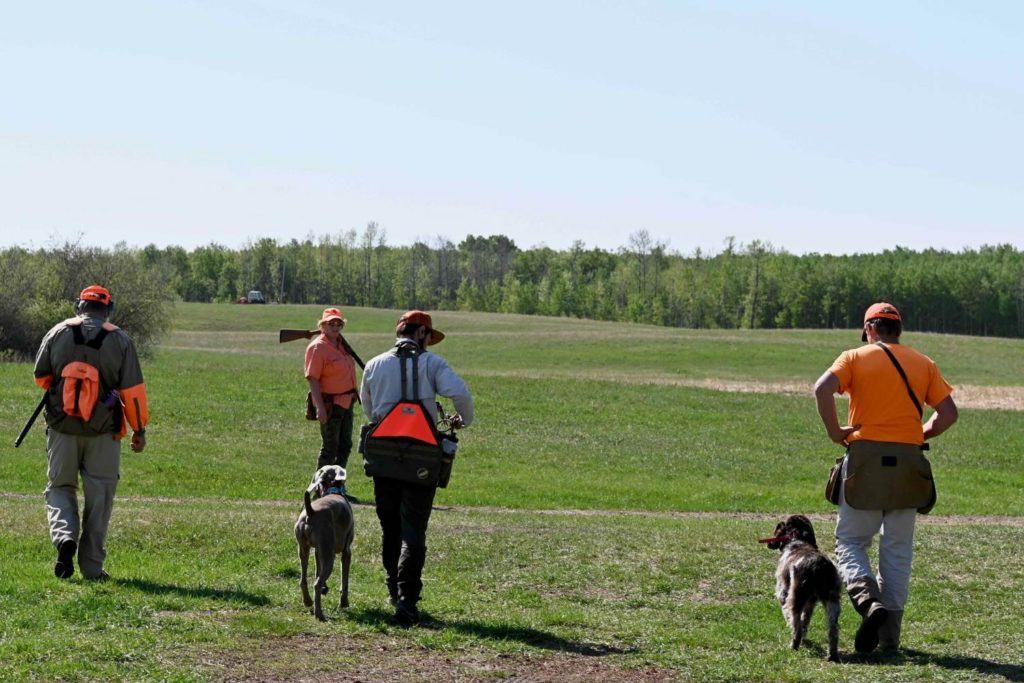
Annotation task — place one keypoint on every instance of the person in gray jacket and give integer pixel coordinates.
(403, 508)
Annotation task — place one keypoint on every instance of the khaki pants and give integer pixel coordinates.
(855, 532)
(98, 460)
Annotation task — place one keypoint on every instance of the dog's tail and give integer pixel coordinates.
(306, 504)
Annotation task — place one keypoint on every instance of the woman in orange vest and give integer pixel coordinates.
(331, 373)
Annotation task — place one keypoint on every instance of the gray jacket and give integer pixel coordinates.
(382, 385)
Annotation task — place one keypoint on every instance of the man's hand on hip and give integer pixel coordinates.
(843, 434)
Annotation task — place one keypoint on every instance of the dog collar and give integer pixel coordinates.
(340, 490)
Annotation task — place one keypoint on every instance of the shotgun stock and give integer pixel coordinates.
(291, 335)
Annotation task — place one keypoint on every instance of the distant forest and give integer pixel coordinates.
(974, 291)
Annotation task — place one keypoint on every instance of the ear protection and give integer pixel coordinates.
(79, 302)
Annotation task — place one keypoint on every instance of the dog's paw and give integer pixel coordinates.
(319, 616)
(344, 602)
(307, 601)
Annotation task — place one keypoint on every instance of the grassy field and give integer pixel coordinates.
(601, 523)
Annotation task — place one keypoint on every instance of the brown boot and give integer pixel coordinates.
(866, 598)
(889, 633)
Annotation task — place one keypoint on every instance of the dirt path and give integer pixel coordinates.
(966, 395)
(997, 520)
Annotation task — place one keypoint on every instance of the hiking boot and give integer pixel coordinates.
(867, 635)
(406, 614)
(64, 567)
(889, 633)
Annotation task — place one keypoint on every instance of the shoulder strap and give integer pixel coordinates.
(94, 343)
(403, 352)
(906, 382)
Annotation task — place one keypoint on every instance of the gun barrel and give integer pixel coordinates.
(31, 421)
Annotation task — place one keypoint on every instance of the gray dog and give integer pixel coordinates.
(327, 525)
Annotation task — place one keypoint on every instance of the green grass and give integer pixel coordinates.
(198, 580)
(204, 560)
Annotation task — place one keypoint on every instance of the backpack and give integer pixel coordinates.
(79, 392)
(406, 444)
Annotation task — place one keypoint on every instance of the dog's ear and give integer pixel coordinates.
(315, 481)
(340, 475)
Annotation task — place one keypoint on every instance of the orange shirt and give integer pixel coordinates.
(878, 397)
(333, 368)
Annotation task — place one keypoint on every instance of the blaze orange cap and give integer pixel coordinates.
(880, 310)
(420, 318)
(95, 293)
(332, 314)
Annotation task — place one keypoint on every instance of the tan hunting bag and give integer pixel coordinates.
(888, 476)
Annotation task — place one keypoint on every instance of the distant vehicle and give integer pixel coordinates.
(253, 297)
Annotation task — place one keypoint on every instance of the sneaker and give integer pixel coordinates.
(102, 576)
(867, 635)
(64, 567)
(406, 614)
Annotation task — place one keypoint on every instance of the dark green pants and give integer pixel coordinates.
(337, 438)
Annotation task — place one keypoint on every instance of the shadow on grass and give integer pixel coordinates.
(497, 631)
(155, 588)
(1009, 672)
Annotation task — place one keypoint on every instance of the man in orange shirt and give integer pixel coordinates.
(331, 373)
(884, 470)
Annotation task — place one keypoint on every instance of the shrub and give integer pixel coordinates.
(42, 285)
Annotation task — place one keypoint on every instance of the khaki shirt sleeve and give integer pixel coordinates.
(938, 388)
(842, 368)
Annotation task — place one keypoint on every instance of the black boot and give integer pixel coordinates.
(866, 599)
(64, 567)
(406, 613)
(875, 616)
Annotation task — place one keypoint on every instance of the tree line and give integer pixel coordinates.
(973, 291)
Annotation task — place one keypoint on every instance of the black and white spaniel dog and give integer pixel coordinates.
(805, 576)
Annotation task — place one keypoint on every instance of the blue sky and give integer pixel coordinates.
(831, 127)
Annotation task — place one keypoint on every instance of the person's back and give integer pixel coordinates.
(382, 385)
(879, 402)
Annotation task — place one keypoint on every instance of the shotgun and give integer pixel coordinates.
(291, 335)
(31, 421)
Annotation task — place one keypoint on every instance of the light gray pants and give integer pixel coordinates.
(855, 532)
(98, 459)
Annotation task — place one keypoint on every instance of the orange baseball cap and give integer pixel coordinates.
(95, 293)
(420, 318)
(880, 310)
(332, 314)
